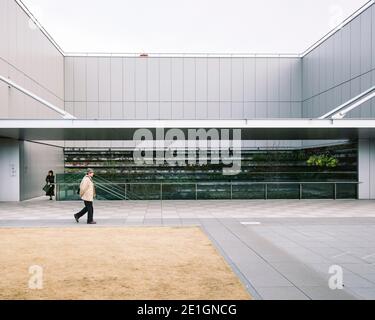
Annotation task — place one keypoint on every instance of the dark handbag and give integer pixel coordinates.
(79, 190)
(46, 187)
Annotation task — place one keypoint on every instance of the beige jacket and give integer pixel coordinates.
(87, 189)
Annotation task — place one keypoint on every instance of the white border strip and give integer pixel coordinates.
(187, 124)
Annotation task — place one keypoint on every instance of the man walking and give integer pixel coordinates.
(87, 194)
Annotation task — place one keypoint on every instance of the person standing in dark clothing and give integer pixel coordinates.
(50, 180)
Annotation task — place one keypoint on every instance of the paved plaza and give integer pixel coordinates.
(280, 249)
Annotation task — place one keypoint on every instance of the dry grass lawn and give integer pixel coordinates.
(115, 263)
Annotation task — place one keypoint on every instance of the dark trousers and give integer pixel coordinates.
(88, 208)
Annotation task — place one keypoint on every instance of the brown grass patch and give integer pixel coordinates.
(115, 263)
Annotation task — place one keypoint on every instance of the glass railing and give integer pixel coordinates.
(212, 190)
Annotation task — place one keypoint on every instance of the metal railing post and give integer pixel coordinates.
(196, 191)
(265, 192)
(125, 191)
(300, 191)
(161, 191)
(231, 190)
(335, 191)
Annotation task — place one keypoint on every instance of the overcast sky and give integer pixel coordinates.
(190, 26)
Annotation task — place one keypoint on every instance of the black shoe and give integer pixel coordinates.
(75, 217)
(91, 222)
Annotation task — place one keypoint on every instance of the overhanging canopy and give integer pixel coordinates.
(257, 129)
